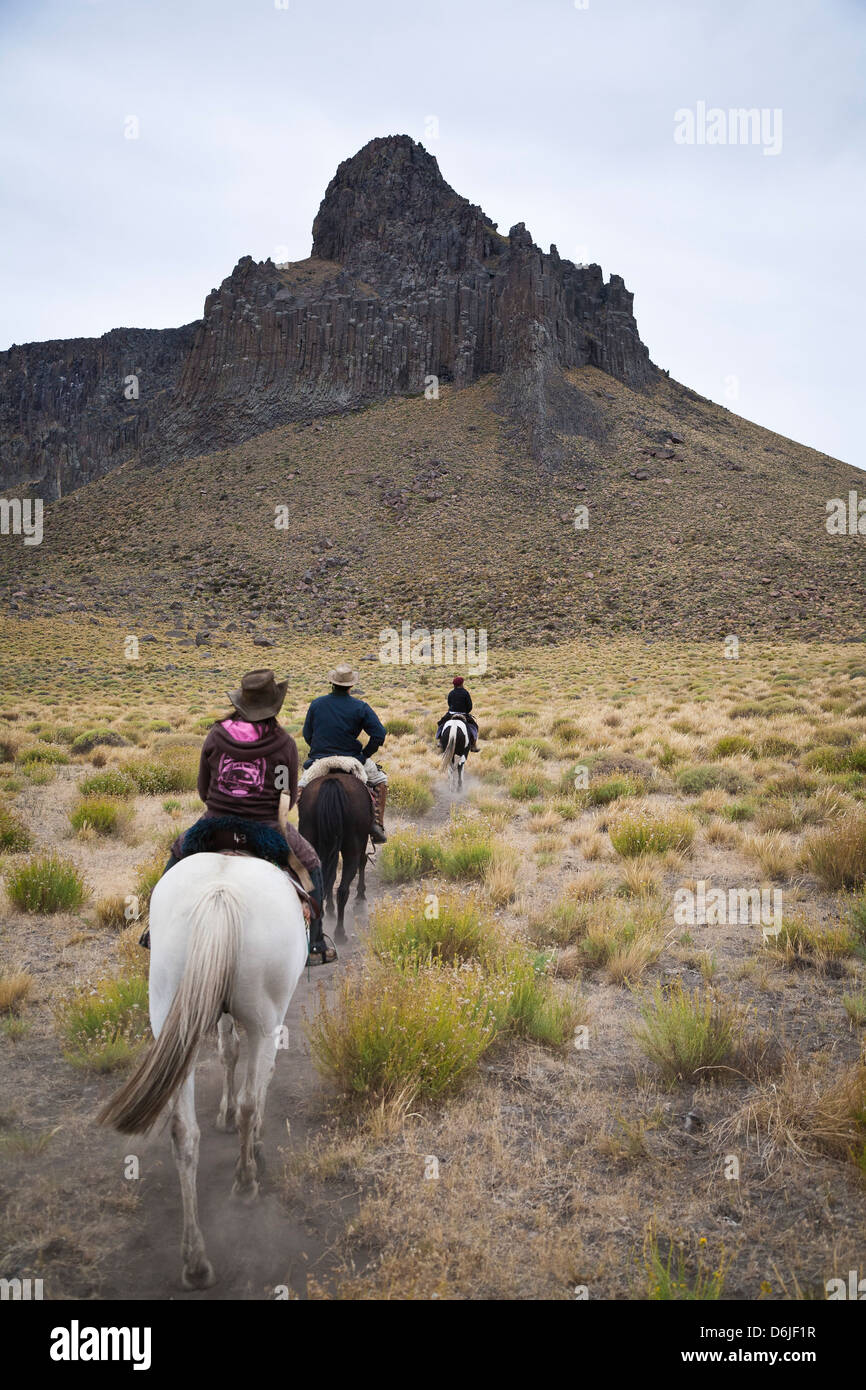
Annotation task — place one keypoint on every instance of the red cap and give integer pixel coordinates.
(458, 680)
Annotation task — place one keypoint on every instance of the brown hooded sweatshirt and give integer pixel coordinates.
(243, 776)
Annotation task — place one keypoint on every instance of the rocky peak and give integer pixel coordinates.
(407, 280)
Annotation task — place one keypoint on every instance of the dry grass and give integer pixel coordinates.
(807, 1111)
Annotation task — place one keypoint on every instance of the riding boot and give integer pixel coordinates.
(377, 830)
(318, 893)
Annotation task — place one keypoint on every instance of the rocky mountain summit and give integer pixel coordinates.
(408, 284)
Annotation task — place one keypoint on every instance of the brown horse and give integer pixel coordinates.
(335, 814)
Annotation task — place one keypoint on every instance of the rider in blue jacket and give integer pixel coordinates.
(332, 727)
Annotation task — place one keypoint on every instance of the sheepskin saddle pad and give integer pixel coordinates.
(232, 834)
(335, 763)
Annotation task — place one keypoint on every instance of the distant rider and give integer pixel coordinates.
(460, 702)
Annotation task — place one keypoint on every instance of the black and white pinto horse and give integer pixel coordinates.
(454, 742)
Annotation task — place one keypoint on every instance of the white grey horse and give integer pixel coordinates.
(227, 945)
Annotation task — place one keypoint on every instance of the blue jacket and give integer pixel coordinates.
(333, 724)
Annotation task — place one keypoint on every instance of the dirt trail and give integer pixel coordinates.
(257, 1247)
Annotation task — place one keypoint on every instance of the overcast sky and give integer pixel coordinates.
(746, 266)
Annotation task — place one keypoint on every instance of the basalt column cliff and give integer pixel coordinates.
(406, 281)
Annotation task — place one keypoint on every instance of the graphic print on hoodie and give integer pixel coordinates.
(240, 763)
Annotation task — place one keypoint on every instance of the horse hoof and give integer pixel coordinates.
(246, 1193)
(199, 1276)
(226, 1123)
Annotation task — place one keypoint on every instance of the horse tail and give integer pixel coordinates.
(203, 994)
(448, 755)
(330, 820)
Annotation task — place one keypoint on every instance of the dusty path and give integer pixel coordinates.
(258, 1247)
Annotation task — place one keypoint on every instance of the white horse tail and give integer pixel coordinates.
(448, 755)
(202, 995)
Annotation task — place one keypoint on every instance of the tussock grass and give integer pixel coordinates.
(802, 943)
(175, 771)
(465, 852)
(111, 912)
(101, 816)
(15, 986)
(411, 795)
(837, 855)
(398, 726)
(640, 832)
(104, 1026)
(855, 1007)
(400, 1036)
(529, 787)
(148, 875)
(448, 929)
(772, 853)
(688, 1035)
(114, 783)
(46, 883)
(14, 835)
(641, 877)
(42, 754)
(408, 855)
(501, 875)
(804, 1112)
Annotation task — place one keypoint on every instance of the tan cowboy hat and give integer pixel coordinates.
(343, 675)
(260, 695)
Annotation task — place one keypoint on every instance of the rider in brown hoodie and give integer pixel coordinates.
(247, 761)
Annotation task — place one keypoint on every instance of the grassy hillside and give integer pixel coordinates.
(429, 511)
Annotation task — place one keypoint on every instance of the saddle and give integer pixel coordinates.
(335, 762)
(232, 835)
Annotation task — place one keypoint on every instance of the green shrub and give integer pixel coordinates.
(42, 753)
(93, 738)
(111, 783)
(46, 884)
(100, 814)
(603, 793)
(466, 853)
(730, 745)
(411, 795)
(738, 811)
(14, 835)
(694, 780)
(397, 727)
(528, 788)
(405, 1034)
(407, 856)
(176, 771)
(105, 1027)
(686, 1035)
(640, 833)
(535, 1010)
(457, 932)
(831, 758)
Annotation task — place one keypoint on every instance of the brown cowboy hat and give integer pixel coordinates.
(343, 675)
(260, 695)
